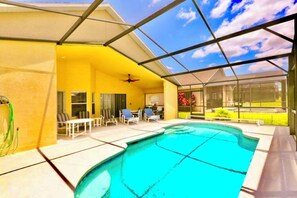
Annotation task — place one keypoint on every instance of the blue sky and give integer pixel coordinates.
(182, 27)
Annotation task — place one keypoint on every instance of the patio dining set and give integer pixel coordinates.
(72, 127)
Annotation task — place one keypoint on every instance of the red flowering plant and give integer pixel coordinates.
(185, 101)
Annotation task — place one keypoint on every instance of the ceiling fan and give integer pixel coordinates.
(130, 79)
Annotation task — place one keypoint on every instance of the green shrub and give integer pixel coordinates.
(279, 119)
(183, 114)
(223, 113)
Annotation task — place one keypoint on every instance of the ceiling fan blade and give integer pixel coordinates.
(129, 80)
(134, 80)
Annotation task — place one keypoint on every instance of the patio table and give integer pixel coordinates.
(71, 124)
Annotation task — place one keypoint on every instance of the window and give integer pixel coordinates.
(78, 102)
(155, 98)
(107, 101)
(60, 102)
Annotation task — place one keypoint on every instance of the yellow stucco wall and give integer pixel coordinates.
(108, 84)
(170, 100)
(31, 75)
(154, 90)
(28, 80)
(80, 75)
(74, 75)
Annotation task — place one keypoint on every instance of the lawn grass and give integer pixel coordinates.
(183, 115)
(263, 104)
(280, 119)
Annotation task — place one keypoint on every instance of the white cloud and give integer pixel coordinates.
(236, 68)
(233, 47)
(261, 67)
(240, 5)
(170, 68)
(154, 2)
(254, 12)
(262, 43)
(292, 10)
(273, 45)
(273, 51)
(200, 53)
(205, 2)
(282, 62)
(234, 51)
(211, 65)
(266, 66)
(286, 29)
(189, 15)
(182, 55)
(210, 49)
(220, 8)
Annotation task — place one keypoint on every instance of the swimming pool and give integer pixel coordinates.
(188, 160)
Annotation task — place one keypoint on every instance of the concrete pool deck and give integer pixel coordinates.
(54, 171)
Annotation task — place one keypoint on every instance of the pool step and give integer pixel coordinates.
(188, 130)
(180, 129)
(168, 131)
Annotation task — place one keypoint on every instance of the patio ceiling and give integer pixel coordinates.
(180, 40)
(109, 62)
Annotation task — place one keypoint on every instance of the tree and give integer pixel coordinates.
(185, 101)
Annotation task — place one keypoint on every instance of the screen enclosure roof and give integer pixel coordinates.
(187, 42)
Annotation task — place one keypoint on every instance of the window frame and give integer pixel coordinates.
(78, 103)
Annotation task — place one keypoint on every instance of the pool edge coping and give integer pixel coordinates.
(111, 157)
(256, 168)
(253, 177)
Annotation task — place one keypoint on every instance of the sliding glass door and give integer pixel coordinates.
(114, 102)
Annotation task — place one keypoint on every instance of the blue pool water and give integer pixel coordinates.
(188, 160)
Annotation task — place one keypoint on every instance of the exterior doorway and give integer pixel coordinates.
(114, 102)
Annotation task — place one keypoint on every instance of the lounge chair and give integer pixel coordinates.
(62, 118)
(149, 115)
(108, 118)
(128, 117)
(83, 115)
